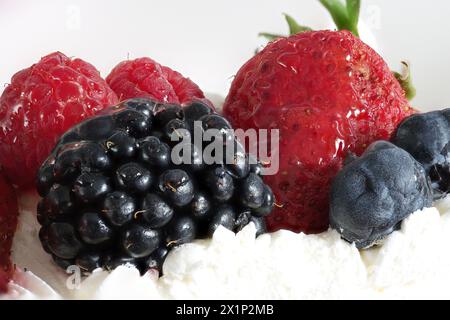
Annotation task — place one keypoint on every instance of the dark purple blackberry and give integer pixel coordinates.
(117, 189)
(156, 259)
(89, 261)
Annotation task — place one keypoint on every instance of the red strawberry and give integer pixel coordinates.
(40, 104)
(8, 223)
(145, 78)
(328, 93)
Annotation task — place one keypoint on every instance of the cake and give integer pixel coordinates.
(349, 202)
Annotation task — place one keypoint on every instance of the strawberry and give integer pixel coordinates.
(329, 94)
(145, 78)
(8, 223)
(39, 105)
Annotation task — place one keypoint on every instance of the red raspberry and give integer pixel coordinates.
(39, 105)
(328, 93)
(8, 223)
(145, 78)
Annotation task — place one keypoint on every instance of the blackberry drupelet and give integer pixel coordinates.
(114, 191)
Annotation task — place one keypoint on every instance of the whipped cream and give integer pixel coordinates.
(412, 263)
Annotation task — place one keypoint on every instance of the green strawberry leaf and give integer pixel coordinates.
(345, 16)
(270, 36)
(294, 27)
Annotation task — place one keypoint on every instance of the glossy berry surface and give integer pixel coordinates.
(145, 78)
(328, 93)
(372, 194)
(426, 136)
(39, 105)
(116, 195)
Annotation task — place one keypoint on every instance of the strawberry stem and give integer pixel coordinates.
(345, 16)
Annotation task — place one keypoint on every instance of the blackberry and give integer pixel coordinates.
(115, 191)
(88, 261)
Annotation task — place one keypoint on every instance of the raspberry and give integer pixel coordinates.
(8, 223)
(145, 78)
(40, 104)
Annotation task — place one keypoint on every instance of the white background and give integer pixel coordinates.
(208, 40)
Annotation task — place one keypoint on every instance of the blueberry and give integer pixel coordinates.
(120, 145)
(154, 153)
(133, 177)
(88, 261)
(91, 187)
(139, 241)
(440, 180)
(177, 186)
(200, 206)
(224, 216)
(426, 136)
(62, 240)
(374, 193)
(156, 260)
(134, 122)
(219, 183)
(59, 201)
(118, 208)
(252, 191)
(181, 229)
(93, 229)
(267, 205)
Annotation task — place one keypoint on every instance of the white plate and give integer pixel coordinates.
(209, 40)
